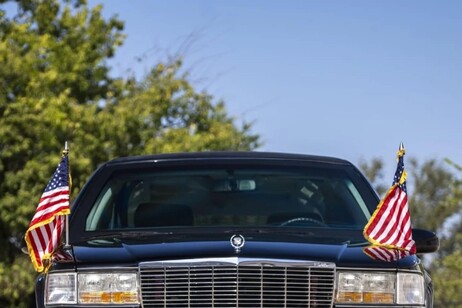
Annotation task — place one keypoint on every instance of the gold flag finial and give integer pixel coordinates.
(401, 150)
(66, 149)
(401, 153)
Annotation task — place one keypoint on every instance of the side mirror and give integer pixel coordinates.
(425, 241)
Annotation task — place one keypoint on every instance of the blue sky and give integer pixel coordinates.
(341, 78)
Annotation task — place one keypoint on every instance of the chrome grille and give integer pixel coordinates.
(243, 285)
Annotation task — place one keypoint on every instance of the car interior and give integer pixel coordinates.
(223, 198)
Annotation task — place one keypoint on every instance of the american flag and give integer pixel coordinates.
(385, 254)
(390, 225)
(46, 227)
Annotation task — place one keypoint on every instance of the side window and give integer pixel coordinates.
(349, 208)
(115, 207)
(100, 215)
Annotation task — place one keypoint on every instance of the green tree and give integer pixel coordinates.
(447, 266)
(431, 193)
(56, 87)
(447, 279)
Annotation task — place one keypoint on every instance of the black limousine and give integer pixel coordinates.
(230, 229)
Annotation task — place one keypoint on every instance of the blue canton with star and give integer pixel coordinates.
(399, 173)
(61, 176)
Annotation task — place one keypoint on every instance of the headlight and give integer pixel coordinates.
(92, 288)
(410, 289)
(60, 288)
(379, 288)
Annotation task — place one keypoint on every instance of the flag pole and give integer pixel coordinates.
(66, 152)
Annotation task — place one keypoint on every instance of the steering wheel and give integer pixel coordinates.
(303, 220)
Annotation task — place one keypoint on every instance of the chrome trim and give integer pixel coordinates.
(240, 261)
(369, 269)
(237, 241)
(96, 268)
(237, 282)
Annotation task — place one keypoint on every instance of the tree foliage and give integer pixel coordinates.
(431, 193)
(55, 86)
(373, 170)
(447, 279)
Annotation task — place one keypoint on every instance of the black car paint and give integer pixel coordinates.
(99, 250)
(131, 252)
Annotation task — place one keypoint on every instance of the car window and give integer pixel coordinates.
(232, 196)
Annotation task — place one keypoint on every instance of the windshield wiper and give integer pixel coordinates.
(128, 234)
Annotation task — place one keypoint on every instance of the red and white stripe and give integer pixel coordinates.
(385, 254)
(46, 227)
(51, 202)
(390, 225)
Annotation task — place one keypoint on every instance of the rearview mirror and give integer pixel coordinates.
(235, 185)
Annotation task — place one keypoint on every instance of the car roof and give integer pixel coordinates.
(228, 156)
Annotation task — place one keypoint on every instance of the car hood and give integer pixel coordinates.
(122, 250)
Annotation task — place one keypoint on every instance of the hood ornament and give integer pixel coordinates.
(237, 241)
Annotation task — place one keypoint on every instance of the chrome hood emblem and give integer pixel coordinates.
(237, 241)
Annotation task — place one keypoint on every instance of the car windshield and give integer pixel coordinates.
(229, 197)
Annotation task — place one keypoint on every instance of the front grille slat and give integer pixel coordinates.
(265, 285)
